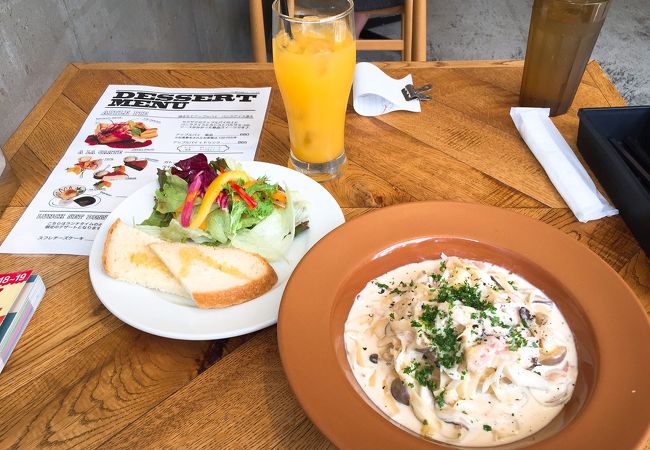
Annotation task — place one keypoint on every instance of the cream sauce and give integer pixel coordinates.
(485, 357)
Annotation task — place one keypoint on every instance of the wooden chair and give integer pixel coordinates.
(413, 42)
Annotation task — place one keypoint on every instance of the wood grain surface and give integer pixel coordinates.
(80, 378)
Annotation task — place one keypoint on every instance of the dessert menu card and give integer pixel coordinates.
(130, 133)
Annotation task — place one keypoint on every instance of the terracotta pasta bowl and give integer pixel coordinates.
(610, 407)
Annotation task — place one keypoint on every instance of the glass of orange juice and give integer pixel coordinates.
(314, 54)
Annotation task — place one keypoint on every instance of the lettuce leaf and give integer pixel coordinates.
(272, 237)
(172, 195)
(218, 225)
(176, 232)
(158, 219)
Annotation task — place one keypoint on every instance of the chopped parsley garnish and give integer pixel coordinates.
(438, 277)
(487, 427)
(411, 367)
(425, 422)
(516, 340)
(382, 287)
(396, 291)
(421, 373)
(440, 399)
(496, 322)
(444, 341)
(415, 324)
(464, 293)
(446, 347)
(428, 317)
(512, 283)
(392, 316)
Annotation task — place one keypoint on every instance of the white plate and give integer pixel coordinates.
(170, 316)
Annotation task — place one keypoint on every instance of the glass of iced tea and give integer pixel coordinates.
(314, 54)
(561, 37)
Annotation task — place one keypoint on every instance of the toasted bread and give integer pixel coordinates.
(217, 277)
(127, 257)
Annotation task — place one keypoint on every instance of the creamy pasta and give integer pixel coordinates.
(461, 351)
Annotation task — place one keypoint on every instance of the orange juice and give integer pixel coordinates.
(314, 70)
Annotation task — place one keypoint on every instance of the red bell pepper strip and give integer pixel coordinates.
(250, 201)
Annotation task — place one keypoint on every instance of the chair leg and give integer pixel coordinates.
(419, 49)
(258, 40)
(407, 30)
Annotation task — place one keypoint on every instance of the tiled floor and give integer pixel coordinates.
(498, 29)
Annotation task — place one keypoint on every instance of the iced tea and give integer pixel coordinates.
(561, 38)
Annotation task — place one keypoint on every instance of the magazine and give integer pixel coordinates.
(25, 297)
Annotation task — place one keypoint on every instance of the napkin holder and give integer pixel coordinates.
(627, 191)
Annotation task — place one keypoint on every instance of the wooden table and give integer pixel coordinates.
(81, 378)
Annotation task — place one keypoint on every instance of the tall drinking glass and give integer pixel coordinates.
(314, 54)
(560, 40)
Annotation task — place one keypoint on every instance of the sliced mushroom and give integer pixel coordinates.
(497, 283)
(525, 316)
(429, 356)
(543, 301)
(458, 424)
(399, 392)
(541, 319)
(555, 356)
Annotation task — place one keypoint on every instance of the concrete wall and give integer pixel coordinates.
(39, 37)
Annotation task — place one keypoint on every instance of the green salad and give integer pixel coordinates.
(218, 203)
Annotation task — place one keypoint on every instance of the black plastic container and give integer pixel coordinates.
(623, 185)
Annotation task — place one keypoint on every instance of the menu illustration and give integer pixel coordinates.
(130, 133)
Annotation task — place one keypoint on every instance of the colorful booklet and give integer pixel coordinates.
(10, 286)
(23, 292)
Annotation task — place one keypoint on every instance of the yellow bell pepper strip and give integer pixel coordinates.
(212, 192)
(250, 201)
(279, 199)
(188, 205)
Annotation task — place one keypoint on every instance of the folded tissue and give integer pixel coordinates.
(374, 93)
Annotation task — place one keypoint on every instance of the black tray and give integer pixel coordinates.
(626, 189)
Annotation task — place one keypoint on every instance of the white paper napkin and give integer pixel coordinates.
(560, 163)
(374, 93)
